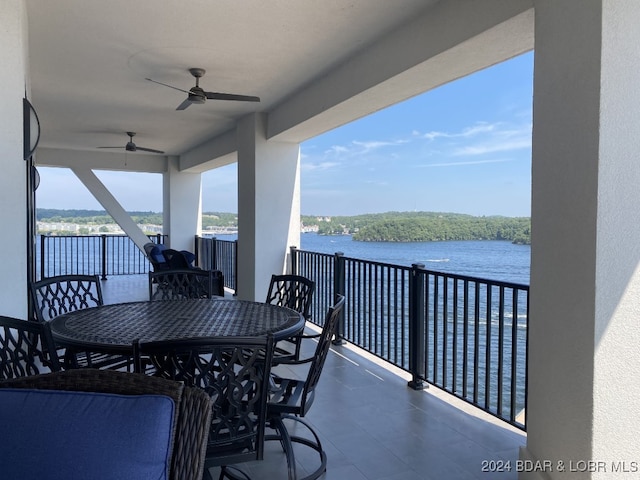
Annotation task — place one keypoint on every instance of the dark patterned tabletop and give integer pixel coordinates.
(116, 326)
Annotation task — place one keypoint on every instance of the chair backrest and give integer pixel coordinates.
(180, 284)
(148, 247)
(292, 291)
(191, 425)
(54, 296)
(234, 372)
(155, 256)
(175, 259)
(26, 348)
(329, 329)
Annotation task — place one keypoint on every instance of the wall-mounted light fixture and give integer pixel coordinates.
(31, 128)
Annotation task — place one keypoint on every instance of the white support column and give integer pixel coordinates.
(111, 205)
(182, 206)
(268, 206)
(584, 343)
(13, 199)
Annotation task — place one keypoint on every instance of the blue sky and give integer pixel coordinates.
(464, 147)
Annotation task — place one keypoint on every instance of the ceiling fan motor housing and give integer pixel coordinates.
(195, 98)
(197, 95)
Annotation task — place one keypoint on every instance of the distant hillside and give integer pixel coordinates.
(424, 227)
(85, 217)
(374, 227)
(89, 217)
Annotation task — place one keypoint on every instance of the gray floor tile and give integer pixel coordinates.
(373, 427)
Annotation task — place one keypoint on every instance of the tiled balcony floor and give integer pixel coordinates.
(374, 427)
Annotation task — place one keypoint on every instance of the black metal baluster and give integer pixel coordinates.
(500, 351)
(417, 342)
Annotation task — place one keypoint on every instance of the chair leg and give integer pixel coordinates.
(233, 473)
(206, 475)
(287, 440)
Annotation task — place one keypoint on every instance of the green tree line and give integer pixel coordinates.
(100, 217)
(374, 227)
(424, 227)
(93, 217)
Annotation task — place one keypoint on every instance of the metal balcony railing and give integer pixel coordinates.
(465, 335)
(215, 254)
(101, 255)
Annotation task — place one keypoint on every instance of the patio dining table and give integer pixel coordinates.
(113, 328)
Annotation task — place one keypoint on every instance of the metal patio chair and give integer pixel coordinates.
(54, 296)
(26, 348)
(180, 284)
(295, 292)
(235, 372)
(291, 398)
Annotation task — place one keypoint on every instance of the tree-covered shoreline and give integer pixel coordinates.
(374, 227)
(425, 227)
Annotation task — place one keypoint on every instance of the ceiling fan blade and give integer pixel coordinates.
(184, 104)
(170, 86)
(110, 147)
(148, 150)
(231, 96)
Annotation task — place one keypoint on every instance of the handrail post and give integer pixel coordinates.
(196, 249)
(103, 246)
(339, 272)
(213, 264)
(416, 327)
(293, 259)
(42, 243)
(235, 268)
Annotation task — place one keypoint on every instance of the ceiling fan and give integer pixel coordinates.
(198, 95)
(132, 147)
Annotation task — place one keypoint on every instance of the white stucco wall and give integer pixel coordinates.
(584, 335)
(617, 326)
(182, 206)
(268, 206)
(13, 197)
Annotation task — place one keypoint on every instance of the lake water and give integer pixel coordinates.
(494, 260)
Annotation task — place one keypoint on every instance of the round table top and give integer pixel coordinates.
(117, 326)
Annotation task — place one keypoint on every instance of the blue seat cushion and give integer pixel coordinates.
(156, 253)
(62, 435)
(190, 257)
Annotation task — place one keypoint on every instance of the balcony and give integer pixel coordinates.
(374, 427)
(465, 335)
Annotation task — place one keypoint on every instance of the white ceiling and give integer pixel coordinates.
(89, 60)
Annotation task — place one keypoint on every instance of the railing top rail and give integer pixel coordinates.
(315, 253)
(97, 235)
(378, 264)
(497, 283)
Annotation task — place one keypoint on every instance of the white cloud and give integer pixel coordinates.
(358, 147)
(470, 162)
(494, 146)
(336, 149)
(373, 144)
(487, 138)
(477, 129)
(310, 167)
